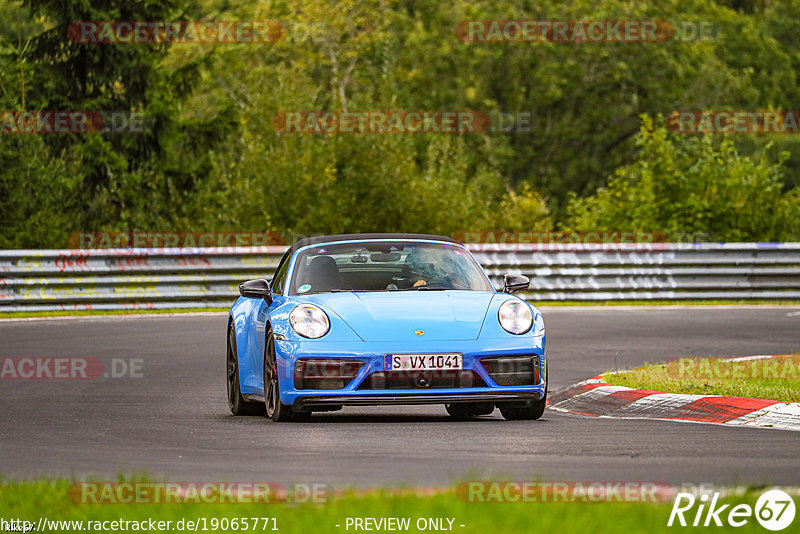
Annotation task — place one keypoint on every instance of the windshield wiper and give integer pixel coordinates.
(423, 288)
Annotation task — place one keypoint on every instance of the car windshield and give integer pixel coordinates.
(386, 266)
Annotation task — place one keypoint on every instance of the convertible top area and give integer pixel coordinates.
(316, 240)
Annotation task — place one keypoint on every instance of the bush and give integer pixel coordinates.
(696, 185)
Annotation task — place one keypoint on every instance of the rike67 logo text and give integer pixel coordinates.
(774, 510)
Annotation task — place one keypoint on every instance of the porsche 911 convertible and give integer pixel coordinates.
(384, 319)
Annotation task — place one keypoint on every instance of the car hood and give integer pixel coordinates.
(398, 316)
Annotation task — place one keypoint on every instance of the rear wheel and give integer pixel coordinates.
(236, 402)
(275, 409)
(469, 410)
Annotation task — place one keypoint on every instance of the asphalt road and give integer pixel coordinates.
(173, 420)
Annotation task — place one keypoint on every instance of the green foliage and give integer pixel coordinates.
(692, 186)
(490, 507)
(214, 161)
(109, 181)
(32, 188)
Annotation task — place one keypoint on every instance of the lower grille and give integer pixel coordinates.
(422, 380)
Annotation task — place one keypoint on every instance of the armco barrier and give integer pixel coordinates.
(109, 279)
(42, 280)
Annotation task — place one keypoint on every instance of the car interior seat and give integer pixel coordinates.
(323, 274)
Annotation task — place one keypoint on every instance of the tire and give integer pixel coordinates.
(469, 410)
(531, 411)
(274, 408)
(236, 402)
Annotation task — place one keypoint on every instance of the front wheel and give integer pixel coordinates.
(275, 409)
(529, 412)
(236, 401)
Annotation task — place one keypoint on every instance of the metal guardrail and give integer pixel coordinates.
(107, 279)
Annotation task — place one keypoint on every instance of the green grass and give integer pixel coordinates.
(774, 379)
(737, 302)
(50, 499)
(72, 313)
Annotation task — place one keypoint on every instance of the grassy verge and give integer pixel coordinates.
(738, 302)
(774, 378)
(31, 501)
(73, 313)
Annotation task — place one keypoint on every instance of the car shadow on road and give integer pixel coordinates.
(394, 418)
(378, 418)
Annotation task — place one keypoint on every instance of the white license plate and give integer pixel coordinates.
(423, 362)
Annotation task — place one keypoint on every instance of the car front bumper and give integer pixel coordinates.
(372, 354)
(432, 397)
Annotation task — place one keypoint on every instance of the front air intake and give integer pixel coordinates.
(513, 370)
(325, 374)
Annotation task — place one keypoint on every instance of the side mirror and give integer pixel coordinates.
(514, 283)
(256, 289)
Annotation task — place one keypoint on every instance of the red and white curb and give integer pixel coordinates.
(595, 398)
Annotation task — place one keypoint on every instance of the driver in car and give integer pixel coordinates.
(421, 268)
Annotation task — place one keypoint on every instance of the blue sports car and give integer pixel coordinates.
(383, 319)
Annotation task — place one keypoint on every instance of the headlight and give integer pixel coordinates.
(515, 317)
(309, 321)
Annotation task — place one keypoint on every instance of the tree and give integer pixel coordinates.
(694, 187)
(120, 181)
